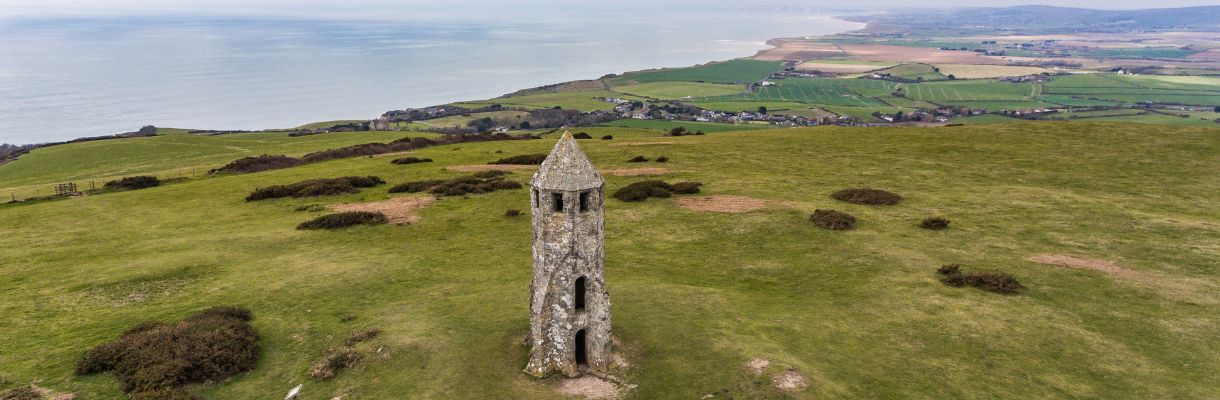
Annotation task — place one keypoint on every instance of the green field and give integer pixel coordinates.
(1137, 89)
(822, 91)
(583, 100)
(696, 294)
(678, 90)
(706, 127)
(462, 120)
(971, 92)
(750, 106)
(1139, 52)
(739, 71)
(914, 71)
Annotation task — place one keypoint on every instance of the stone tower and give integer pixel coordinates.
(569, 304)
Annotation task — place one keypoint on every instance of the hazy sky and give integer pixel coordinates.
(474, 9)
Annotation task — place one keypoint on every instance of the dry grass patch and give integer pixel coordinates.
(790, 380)
(1061, 260)
(589, 387)
(637, 171)
(757, 365)
(722, 203)
(490, 167)
(399, 210)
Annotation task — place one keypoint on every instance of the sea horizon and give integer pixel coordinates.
(75, 76)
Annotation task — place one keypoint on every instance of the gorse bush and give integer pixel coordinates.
(154, 360)
(490, 174)
(833, 219)
(934, 223)
(640, 191)
(316, 187)
(867, 196)
(991, 281)
(410, 160)
(524, 159)
(344, 220)
(416, 186)
(266, 162)
(133, 183)
(259, 163)
(662, 159)
(479, 182)
(686, 187)
(608, 137)
(638, 159)
(581, 135)
(512, 212)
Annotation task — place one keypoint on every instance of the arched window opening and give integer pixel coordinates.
(581, 359)
(580, 293)
(558, 201)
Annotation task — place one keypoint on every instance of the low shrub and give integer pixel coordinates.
(332, 362)
(699, 133)
(524, 159)
(867, 196)
(153, 360)
(461, 187)
(410, 160)
(133, 183)
(344, 220)
(608, 137)
(833, 219)
(163, 394)
(638, 159)
(581, 135)
(934, 223)
(315, 187)
(991, 281)
(512, 212)
(662, 159)
(686, 187)
(362, 336)
(640, 191)
(416, 186)
(678, 131)
(490, 174)
(311, 208)
(259, 163)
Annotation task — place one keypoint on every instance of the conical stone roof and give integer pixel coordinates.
(567, 168)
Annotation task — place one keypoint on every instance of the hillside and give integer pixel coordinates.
(697, 294)
(1048, 19)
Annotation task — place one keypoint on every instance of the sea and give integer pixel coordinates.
(64, 77)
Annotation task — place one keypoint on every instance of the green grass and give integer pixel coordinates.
(750, 106)
(822, 91)
(739, 71)
(695, 294)
(966, 92)
(914, 71)
(583, 100)
(462, 120)
(677, 90)
(983, 119)
(706, 127)
(1137, 89)
(1138, 52)
(166, 156)
(864, 113)
(328, 124)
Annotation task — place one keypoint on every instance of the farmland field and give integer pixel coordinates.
(677, 90)
(914, 71)
(828, 91)
(974, 71)
(741, 105)
(859, 313)
(706, 127)
(740, 71)
(462, 120)
(584, 100)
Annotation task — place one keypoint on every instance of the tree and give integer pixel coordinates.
(762, 109)
(898, 116)
(525, 124)
(952, 77)
(677, 131)
(1217, 109)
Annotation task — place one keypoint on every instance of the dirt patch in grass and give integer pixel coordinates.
(790, 380)
(489, 167)
(757, 365)
(399, 210)
(639, 143)
(1061, 260)
(722, 203)
(34, 392)
(589, 387)
(637, 171)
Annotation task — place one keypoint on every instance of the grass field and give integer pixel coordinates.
(974, 71)
(462, 120)
(742, 105)
(696, 294)
(678, 90)
(739, 71)
(583, 100)
(914, 71)
(706, 127)
(822, 91)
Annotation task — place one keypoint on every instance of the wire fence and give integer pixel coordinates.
(86, 186)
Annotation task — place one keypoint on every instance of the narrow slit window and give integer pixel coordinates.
(558, 201)
(536, 200)
(584, 201)
(580, 293)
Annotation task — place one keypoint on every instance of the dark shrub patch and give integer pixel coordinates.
(638, 159)
(640, 191)
(581, 135)
(153, 360)
(416, 186)
(311, 208)
(934, 223)
(361, 336)
(991, 281)
(512, 212)
(686, 187)
(410, 160)
(833, 219)
(316, 187)
(699, 133)
(678, 131)
(867, 196)
(524, 159)
(333, 362)
(662, 159)
(259, 163)
(133, 183)
(608, 137)
(490, 174)
(344, 219)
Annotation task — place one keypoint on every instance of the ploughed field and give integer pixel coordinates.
(700, 288)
